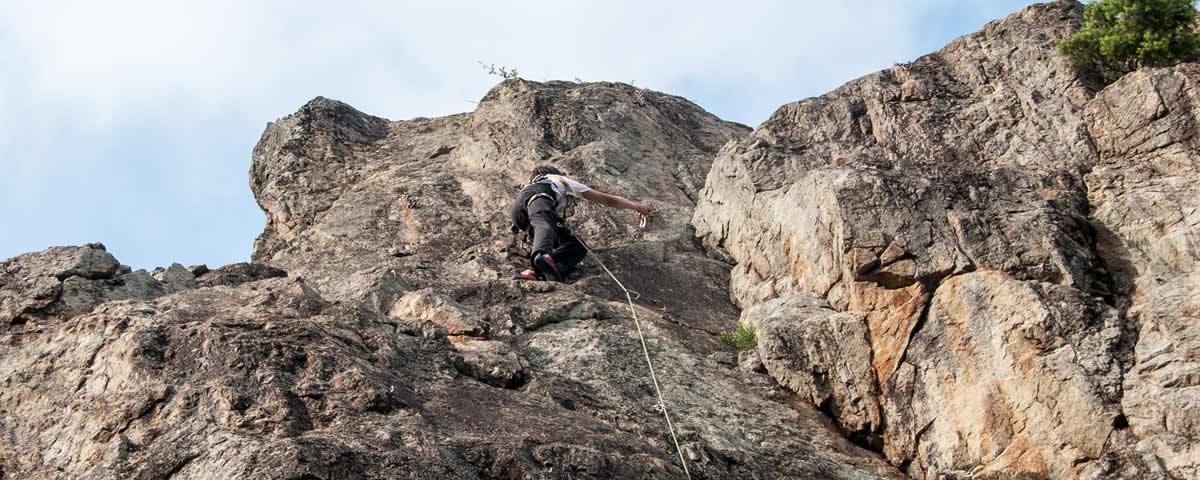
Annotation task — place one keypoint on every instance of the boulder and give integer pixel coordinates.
(67, 281)
(824, 356)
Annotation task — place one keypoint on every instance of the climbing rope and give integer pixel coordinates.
(662, 404)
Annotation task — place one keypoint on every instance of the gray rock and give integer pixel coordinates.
(991, 156)
(822, 355)
(971, 266)
(424, 305)
(749, 361)
(238, 273)
(489, 361)
(198, 270)
(61, 282)
(966, 178)
(381, 352)
(176, 277)
(1145, 190)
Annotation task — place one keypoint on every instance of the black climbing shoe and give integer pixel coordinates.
(544, 264)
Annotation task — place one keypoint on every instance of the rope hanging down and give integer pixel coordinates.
(662, 404)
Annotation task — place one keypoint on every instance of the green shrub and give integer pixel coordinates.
(741, 338)
(1120, 36)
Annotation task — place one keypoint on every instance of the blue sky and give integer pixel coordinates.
(131, 122)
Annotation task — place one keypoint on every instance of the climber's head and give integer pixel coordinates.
(543, 170)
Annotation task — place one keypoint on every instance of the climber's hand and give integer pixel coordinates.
(643, 208)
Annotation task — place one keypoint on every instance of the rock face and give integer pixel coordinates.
(67, 281)
(976, 265)
(394, 346)
(1011, 253)
(1145, 192)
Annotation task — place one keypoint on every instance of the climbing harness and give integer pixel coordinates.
(662, 404)
(568, 208)
(536, 196)
(567, 201)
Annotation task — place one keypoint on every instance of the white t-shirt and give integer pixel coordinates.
(564, 186)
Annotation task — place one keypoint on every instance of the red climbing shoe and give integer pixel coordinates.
(544, 264)
(527, 275)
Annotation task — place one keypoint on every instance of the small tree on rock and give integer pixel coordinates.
(1120, 36)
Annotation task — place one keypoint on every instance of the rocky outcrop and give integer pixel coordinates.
(66, 281)
(990, 240)
(1145, 192)
(346, 193)
(821, 354)
(394, 346)
(1007, 375)
(975, 265)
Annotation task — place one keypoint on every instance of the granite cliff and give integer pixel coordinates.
(976, 265)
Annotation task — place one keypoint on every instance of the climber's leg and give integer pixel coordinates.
(569, 252)
(544, 222)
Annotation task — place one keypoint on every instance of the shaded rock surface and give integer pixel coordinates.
(1009, 250)
(376, 333)
(820, 354)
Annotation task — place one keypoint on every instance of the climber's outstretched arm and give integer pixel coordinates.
(616, 201)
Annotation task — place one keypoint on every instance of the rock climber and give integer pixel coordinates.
(539, 211)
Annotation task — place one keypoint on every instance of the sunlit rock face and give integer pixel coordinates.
(1011, 251)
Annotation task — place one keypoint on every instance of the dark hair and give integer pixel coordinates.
(543, 170)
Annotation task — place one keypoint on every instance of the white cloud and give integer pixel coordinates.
(89, 89)
(117, 58)
(101, 57)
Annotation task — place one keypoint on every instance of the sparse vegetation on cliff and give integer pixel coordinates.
(741, 338)
(1120, 36)
(501, 71)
